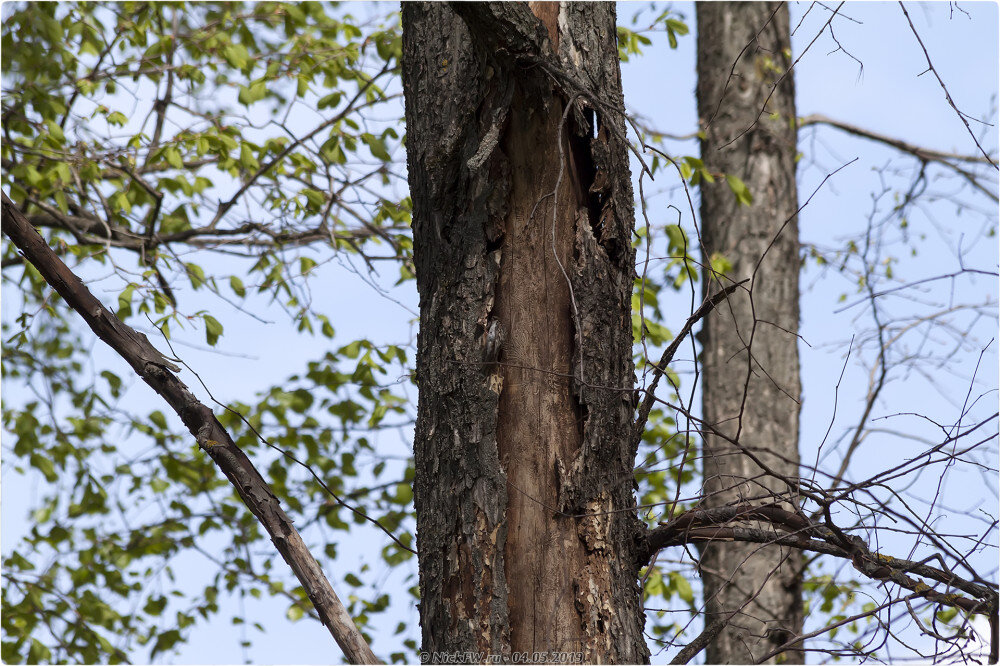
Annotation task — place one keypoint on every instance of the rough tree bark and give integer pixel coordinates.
(522, 219)
(751, 390)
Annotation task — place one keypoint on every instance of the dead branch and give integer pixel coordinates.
(90, 230)
(700, 642)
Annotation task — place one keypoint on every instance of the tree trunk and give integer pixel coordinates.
(748, 118)
(522, 219)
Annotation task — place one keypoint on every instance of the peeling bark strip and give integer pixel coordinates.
(743, 51)
(522, 221)
(157, 371)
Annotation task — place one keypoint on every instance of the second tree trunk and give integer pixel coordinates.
(751, 390)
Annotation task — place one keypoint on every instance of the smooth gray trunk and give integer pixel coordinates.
(751, 387)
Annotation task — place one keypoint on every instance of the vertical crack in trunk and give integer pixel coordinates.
(565, 404)
(540, 423)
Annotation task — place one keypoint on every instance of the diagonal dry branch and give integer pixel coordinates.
(158, 371)
(659, 368)
(957, 162)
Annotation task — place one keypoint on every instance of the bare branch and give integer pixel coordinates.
(704, 525)
(692, 649)
(919, 152)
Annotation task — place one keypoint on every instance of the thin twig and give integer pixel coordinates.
(947, 95)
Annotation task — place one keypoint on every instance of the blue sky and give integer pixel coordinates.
(889, 96)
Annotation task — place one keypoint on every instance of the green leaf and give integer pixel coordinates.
(254, 93)
(739, 188)
(674, 28)
(155, 605)
(55, 132)
(125, 302)
(377, 146)
(38, 653)
(677, 26)
(247, 158)
(18, 561)
(62, 171)
(306, 264)
(236, 285)
(329, 101)
(237, 56)
(683, 587)
(686, 170)
(61, 201)
(41, 516)
(720, 264)
(314, 198)
(947, 614)
(165, 641)
(351, 350)
(404, 494)
(327, 328)
(213, 329)
(119, 202)
(173, 157)
(44, 465)
(196, 274)
(53, 29)
(158, 419)
(114, 382)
